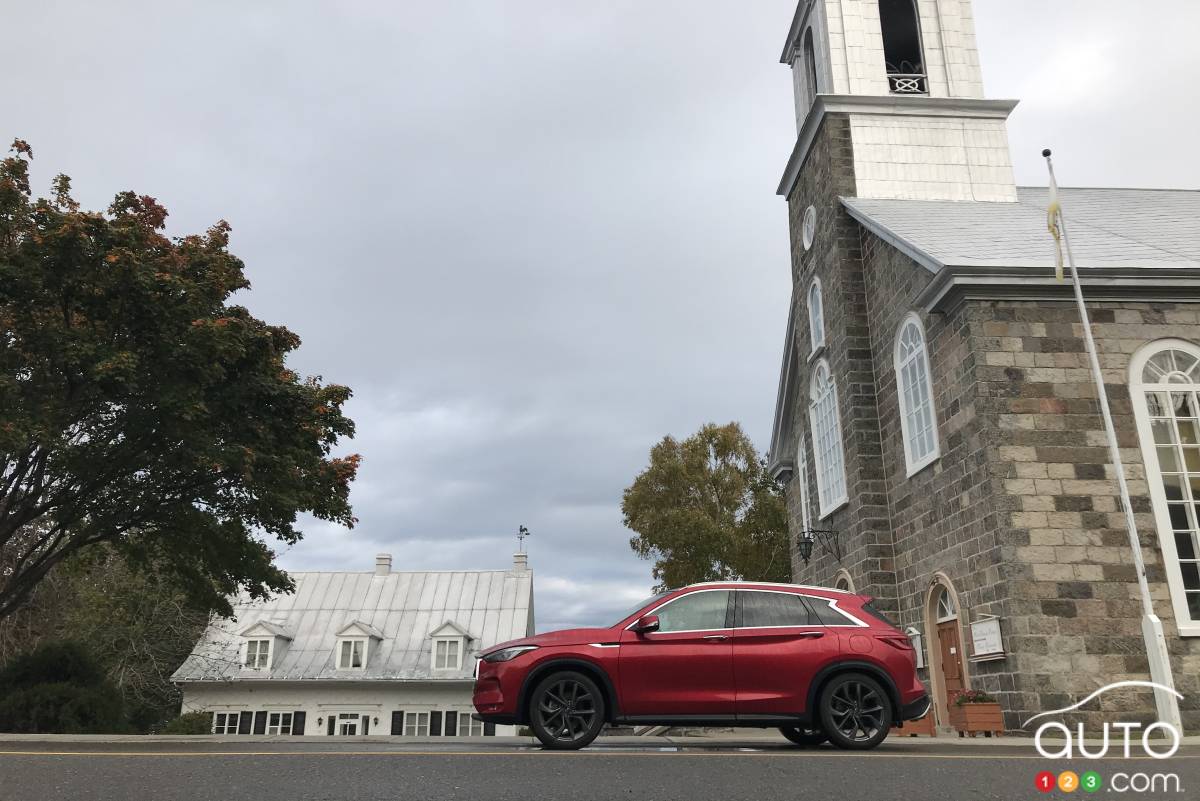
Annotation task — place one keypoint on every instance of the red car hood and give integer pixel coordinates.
(564, 637)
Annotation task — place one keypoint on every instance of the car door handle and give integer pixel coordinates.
(811, 635)
(716, 637)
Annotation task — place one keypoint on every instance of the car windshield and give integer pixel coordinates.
(641, 604)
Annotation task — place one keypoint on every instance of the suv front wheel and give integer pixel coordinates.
(855, 712)
(566, 711)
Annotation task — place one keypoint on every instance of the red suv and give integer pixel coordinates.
(820, 664)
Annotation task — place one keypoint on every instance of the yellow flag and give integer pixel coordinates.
(1053, 214)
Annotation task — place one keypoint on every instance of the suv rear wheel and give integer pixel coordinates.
(855, 711)
(566, 711)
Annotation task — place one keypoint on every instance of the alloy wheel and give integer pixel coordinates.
(857, 711)
(567, 709)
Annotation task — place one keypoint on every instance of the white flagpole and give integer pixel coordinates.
(1152, 632)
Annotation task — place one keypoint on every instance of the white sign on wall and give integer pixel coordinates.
(986, 639)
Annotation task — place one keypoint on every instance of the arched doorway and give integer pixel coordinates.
(947, 666)
(842, 581)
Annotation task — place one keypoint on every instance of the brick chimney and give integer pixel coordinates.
(383, 564)
(520, 562)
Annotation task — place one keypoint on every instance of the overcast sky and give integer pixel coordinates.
(533, 237)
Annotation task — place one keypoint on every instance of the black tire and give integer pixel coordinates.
(804, 737)
(566, 711)
(856, 712)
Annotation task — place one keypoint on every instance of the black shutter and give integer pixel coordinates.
(397, 722)
(297, 723)
(451, 724)
(332, 724)
(366, 721)
(435, 724)
(245, 722)
(260, 722)
(489, 730)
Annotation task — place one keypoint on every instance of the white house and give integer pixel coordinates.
(378, 652)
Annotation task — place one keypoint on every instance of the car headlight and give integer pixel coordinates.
(505, 654)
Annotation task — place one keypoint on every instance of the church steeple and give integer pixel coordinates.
(907, 74)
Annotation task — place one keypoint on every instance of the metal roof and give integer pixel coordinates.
(404, 607)
(1109, 228)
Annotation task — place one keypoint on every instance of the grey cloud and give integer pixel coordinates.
(534, 237)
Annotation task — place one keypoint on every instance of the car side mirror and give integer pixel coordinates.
(646, 624)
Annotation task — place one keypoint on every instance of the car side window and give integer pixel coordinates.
(827, 614)
(761, 609)
(697, 611)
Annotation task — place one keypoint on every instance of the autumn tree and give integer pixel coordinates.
(139, 406)
(706, 509)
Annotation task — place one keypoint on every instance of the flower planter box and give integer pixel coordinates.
(912, 728)
(975, 718)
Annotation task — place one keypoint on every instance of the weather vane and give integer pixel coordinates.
(522, 533)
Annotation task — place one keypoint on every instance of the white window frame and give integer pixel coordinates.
(260, 657)
(228, 727)
(1185, 623)
(416, 724)
(802, 477)
(468, 727)
(341, 643)
(829, 499)
(920, 360)
(458, 654)
(816, 320)
(946, 609)
(283, 724)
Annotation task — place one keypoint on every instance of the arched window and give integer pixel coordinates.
(1164, 383)
(902, 52)
(810, 66)
(827, 439)
(802, 477)
(816, 316)
(917, 420)
(946, 610)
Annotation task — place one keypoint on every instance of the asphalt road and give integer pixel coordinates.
(366, 771)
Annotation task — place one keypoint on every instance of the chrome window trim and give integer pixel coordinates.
(833, 604)
(751, 585)
(670, 601)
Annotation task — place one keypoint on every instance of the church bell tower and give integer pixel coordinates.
(905, 74)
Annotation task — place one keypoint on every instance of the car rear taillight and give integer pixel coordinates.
(897, 641)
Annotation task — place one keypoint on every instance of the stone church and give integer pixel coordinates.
(937, 424)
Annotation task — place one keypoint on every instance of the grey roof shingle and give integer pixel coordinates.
(405, 607)
(1109, 228)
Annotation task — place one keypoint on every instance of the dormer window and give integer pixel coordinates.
(355, 641)
(447, 653)
(352, 654)
(450, 642)
(258, 654)
(263, 643)
(902, 52)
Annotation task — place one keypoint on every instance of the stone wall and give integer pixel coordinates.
(864, 532)
(1073, 611)
(1019, 512)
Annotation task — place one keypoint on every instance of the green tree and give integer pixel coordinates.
(136, 625)
(139, 406)
(706, 509)
(58, 688)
